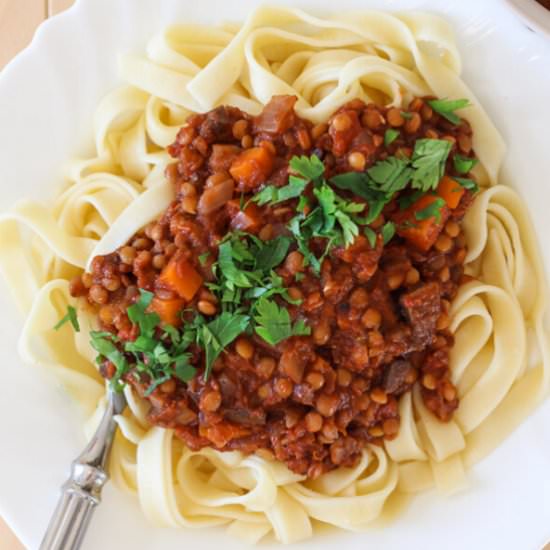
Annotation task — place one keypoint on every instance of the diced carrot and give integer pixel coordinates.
(221, 434)
(168, 310)
(181, 277)
(451, 191)
(420, 233)
(252, 167)
(249, 219)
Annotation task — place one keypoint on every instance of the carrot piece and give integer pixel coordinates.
(451, 191)
(252, 167)
(420, 233)
(221, 434)
(181, 277)
(249, 219)
(168, 310)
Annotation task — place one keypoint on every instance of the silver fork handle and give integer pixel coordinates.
(70, 520)
(82, 491)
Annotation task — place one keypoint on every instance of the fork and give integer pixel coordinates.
(81, 493)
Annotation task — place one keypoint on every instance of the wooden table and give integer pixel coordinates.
(18, 21)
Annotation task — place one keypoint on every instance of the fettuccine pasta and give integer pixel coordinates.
(500, 362)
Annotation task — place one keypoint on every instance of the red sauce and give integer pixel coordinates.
(378, 315)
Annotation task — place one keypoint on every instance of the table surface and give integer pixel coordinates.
(18, 21)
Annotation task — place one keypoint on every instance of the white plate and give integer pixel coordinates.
(534, 15)
(47, 98)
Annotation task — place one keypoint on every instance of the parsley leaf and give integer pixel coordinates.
(407, 200)
(272, 253)
(361, 185)
(218, 334)
(388, 231)
(183, 369)
(233, 275)
(104, 344)
(147, 322)
(447, 107)
(406, 115)
(428, 160)
(356, 182)
(310, 168)
(335, 209)
(275, 195)
(274, 324)
(390, 135)
(203, 258)
(463, 165)
(391, 174)
(433, 210)
(156, 383)
(71, 317)
(371, 236)
(467, 183)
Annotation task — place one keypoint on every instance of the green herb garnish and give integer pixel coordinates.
(203, 258)
(371, 235)
(216, 335)
(390, 135)
(147, 322)
(428, 160)
(70, 317)
(391, 175)
(387, 232)
(463, 165)
(467, 183)
(433, 210)
(311, 168)
(274, 324)
(406, 200)
(275, 195)
(447, 107)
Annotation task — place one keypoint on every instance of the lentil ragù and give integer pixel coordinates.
(375, 315)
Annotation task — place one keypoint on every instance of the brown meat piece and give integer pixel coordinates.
(422, 308)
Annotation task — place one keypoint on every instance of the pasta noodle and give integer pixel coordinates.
(500, 362)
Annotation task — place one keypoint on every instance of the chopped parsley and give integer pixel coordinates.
(216, 335)
(406, 115)
(203, 258)
(371, 235)
(70, 317)
(387, 232)
(406, 200)
(467, 183)
(334, 218)
(463, 165)
(390, 135)
(247, 286)
(428, 160)
(385, 178)
(274, 195)
(447, 107)
(157, 353)
(391, 175)
(273, 323)
(251, 294)
(311, 168)
(433, 210)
